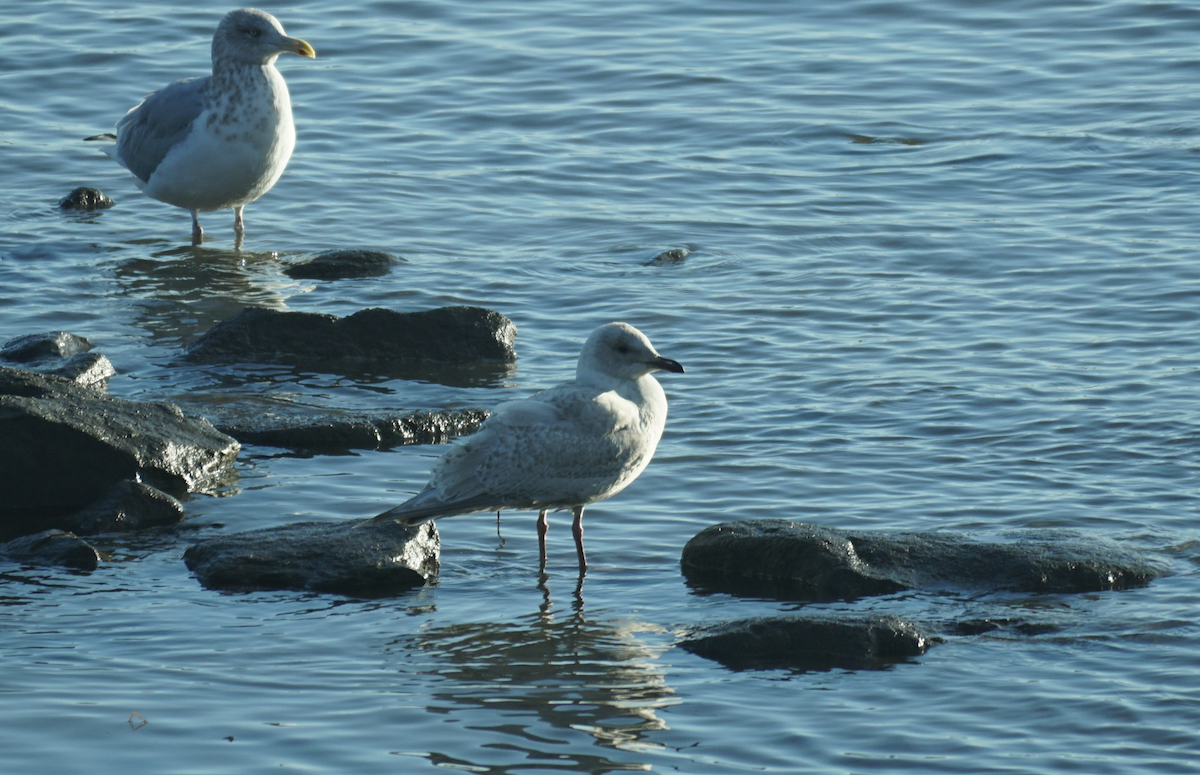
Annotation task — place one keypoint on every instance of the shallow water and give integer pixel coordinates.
(941, 275)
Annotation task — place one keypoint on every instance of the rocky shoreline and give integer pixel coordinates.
(79, 462)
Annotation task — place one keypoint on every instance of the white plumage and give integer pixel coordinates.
(565, 447)
(220, 141)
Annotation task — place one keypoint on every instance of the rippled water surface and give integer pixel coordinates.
(942, 273)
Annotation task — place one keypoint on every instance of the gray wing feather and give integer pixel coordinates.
(148, 132)
(525, 455)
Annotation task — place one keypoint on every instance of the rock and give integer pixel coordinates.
(51, 547)
(673, 256)
(357, 559)
(62, 354)
(344, 264)
(992, 624)
(128, 505)
(340, 433)
(781, 558)
(375, 340)
(84, 198)
(90, 370)
(62, 446)
(807, 643)
(37, 347)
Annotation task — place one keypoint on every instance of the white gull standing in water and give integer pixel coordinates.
(563, 448)
(222, 140)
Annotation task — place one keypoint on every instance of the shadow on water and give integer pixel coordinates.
(550, 670)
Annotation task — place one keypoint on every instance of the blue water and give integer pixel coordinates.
(942, 275)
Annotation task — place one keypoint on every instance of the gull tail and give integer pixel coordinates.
(106, 137)
(427, 505)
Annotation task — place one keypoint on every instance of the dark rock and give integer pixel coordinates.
(673, 256)
(84, 198)
(91, 370)
(781, 558)
(340, 433)
(62, 446)
(357, 559)
(343, 264)
(977, 626)
(372, 339)
(61, 354)
(127, 506)
(994, 624)
(803, 643)
(51, 547)
(36, 347)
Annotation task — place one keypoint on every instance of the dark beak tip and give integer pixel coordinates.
(666, 364)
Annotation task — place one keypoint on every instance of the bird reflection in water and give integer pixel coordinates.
(534, 684)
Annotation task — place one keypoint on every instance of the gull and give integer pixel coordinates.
(218, 141)
(563, 448)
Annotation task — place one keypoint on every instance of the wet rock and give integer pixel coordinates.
(371, 339)
(808, 643)
(51, 547)
(781, 558)
(90, 370)
(37, 347)
(673, 256)
(340, 433)
(61, 354)
(344, 264)
(84, 198)
(972, 627)
(127, 506)
(357, 559)
(62, 446)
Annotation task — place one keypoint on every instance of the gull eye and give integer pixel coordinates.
(252, 32)
(623, 349)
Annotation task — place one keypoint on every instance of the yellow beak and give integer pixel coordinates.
(300, 47)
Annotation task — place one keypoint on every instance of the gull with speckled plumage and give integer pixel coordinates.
(219, 141)
(563, 448)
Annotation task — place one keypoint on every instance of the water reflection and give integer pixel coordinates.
(540, 681)
(181, 291)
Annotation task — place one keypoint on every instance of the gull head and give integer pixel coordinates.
(620, 351)
(249, 36)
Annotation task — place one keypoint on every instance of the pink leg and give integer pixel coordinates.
(197, 232)
(577, 531)
(543, 527)
(239, 226)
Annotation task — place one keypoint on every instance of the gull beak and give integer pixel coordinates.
(666, 364)
(297, 46)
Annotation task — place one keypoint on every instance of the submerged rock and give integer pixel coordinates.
(340, 433)
(62, 446)
(673, 256)
(84, 198)
(61, 354)
(378, 340)
(781, 558)
(357, 559)
(808, 643)
(51, 547)
(128, 505)
(344, 264)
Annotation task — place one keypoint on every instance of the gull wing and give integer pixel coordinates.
(146, 134)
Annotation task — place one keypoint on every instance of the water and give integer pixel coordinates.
(942, 275)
